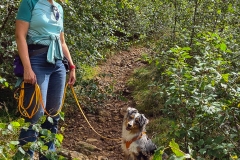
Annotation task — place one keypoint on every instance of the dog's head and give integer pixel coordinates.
(134, 121)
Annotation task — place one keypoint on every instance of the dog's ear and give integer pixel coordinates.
(131, 110)
(128, 109)
(143, 120)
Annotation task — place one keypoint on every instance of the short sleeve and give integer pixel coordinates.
(25, 10)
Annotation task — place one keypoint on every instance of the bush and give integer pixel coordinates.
(194, 80)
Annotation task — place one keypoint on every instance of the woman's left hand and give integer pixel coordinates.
(72, 77)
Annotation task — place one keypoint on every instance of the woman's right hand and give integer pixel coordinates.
(29, 76)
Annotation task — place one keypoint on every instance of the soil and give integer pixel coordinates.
(107, 121)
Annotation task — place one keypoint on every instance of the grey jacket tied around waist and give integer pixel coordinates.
(54, 49)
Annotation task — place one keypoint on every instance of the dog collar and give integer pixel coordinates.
(128, 143)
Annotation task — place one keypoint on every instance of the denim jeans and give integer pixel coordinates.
(51, 79)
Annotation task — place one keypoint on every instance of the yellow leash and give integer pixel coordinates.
(75, 96)
(39, 101)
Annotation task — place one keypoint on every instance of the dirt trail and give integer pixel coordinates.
(108, 121)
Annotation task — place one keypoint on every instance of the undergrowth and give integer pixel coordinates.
(197, 101)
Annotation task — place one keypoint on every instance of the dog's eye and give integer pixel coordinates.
(131, 117)
(137, 120)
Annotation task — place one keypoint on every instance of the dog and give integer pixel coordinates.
(135, 143)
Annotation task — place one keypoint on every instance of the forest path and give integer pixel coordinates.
(108, 119)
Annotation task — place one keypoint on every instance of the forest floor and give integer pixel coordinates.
(107, 121)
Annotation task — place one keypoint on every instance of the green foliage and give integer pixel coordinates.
(194, 73)
(194, 79)
(92, 29)
(8, 132)
(100, 25)
(7, 44)
(9, 148)
(201, 98)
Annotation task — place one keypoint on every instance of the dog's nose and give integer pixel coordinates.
(129, 125)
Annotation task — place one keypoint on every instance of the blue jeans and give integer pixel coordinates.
(51, 79)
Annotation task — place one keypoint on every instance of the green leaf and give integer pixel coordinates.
(44, 132)
(61, 114)
(15, 124)
(50, 119)
(21, 150)
(59, 137)
(223, 46)
(21, 121)
(225, 77)
(14, 142)
(35, 128)
(44, 148)
(175, 148)
(158, 154)
(2, 125)
(202, 151)
(42, 119)
(6, 84)
(186, 48)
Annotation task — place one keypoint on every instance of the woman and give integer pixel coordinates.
(41, 47)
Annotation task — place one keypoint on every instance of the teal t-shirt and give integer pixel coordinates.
(44, 28)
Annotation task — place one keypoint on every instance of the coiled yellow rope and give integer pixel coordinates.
(39, 102)
(36, 98)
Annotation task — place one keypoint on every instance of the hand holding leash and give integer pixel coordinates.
(72, 77)
(29, 76)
